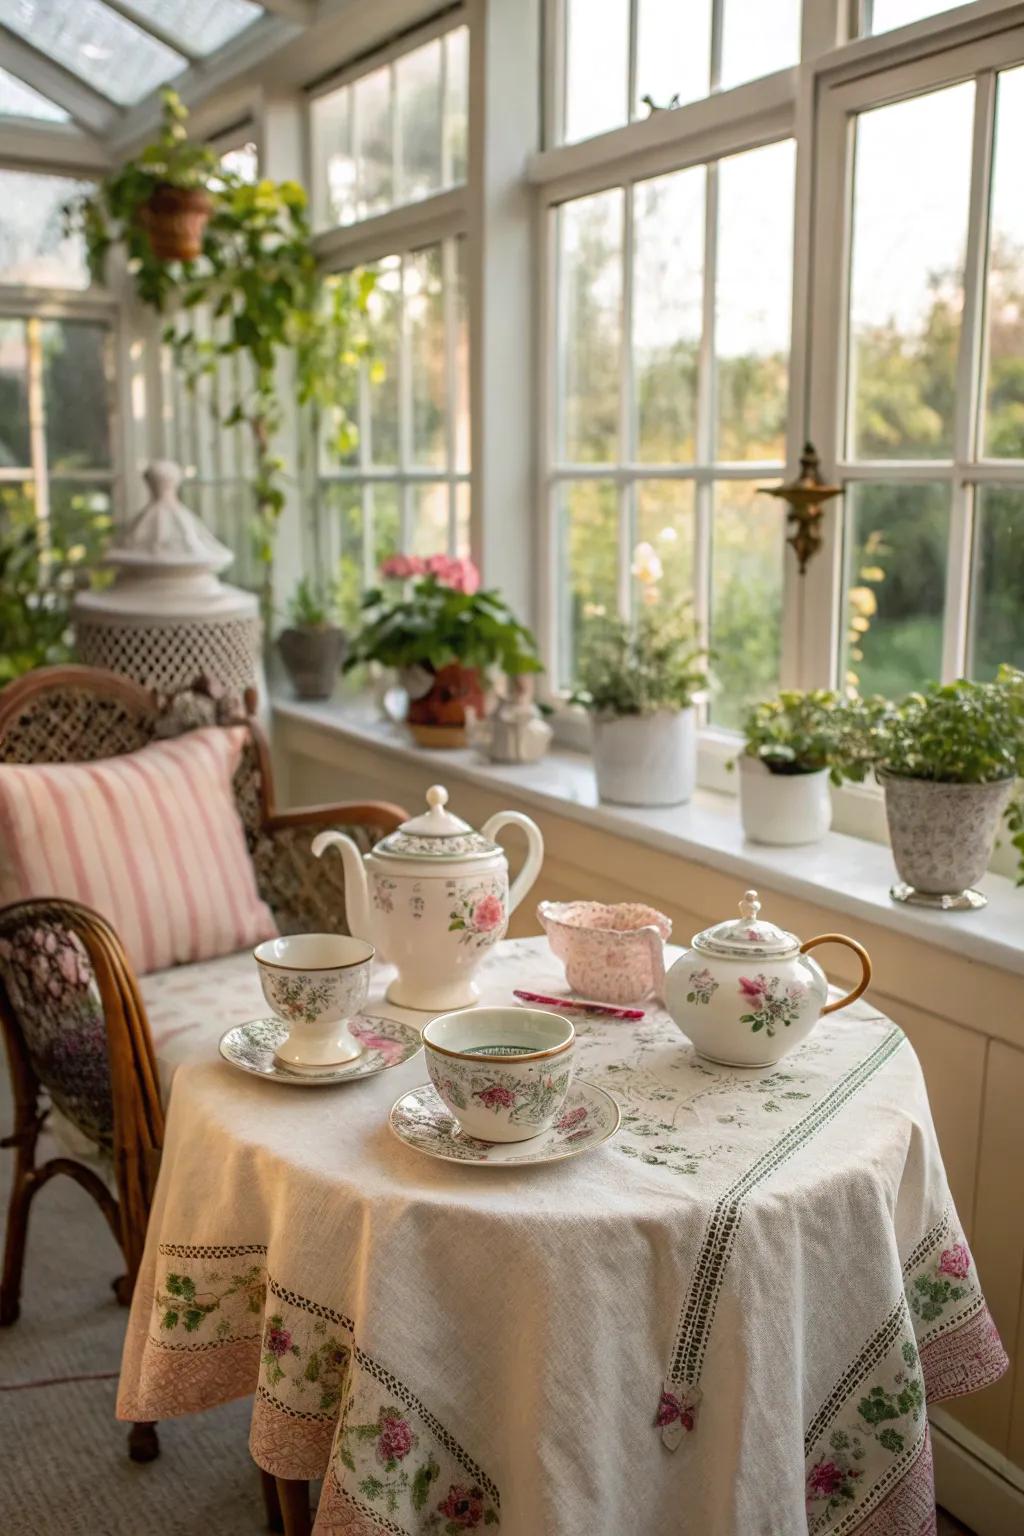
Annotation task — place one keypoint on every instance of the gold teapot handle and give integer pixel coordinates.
(865, 966)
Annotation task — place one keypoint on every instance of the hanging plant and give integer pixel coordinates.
(256, 275)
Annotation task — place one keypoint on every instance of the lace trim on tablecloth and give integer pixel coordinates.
(222, 1327)
(681, 1390)
(868, 1453)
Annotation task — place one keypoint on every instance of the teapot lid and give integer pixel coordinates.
(436, 834)
(746, 936)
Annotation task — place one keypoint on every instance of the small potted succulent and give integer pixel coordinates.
(639, 683)
(442, 633)
(948, 759)
(794, 746)
(312, 646)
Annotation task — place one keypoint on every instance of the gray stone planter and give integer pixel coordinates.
(312, 659)
(942, 837)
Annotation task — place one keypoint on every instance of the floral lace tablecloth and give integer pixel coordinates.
(728, 1321)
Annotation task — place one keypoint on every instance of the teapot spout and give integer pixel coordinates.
(357, 904)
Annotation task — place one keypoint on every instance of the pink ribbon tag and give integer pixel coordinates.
(677, 1412)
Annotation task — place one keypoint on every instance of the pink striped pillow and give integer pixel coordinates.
(152, 840)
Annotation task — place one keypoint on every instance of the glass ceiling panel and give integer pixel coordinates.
(19, 100)
(202, 25)
(110, 53)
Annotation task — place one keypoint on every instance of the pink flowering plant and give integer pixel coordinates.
(433, 613)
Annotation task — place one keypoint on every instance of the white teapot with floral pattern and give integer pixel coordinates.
(747, 992)
(433, 898)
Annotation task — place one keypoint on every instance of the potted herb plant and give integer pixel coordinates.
(794, 746)
(442, 633)
(948, 759)
(312, 646)
(639, 683)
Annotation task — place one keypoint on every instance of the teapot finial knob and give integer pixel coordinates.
(437, 797)
(750, 906)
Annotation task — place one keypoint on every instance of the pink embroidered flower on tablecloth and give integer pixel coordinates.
(496, 1096)
(752, 986)
(464, 1507)
(277, 1341)
(571, 1119)
(824, 1479)
(395, 1439)
(488, 913)
(671, 1409)
(955, 1261)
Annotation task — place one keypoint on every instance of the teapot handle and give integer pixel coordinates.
(534, 851)
(865, 966)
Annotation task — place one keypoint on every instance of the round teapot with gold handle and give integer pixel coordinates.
(747, 992)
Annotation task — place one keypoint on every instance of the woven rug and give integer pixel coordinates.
(66, 1470)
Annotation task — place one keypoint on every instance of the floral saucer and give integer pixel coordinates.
(589, 1117)
(385, 1042)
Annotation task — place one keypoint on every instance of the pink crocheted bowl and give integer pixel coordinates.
(613, 954)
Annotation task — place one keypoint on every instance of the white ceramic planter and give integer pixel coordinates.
(646, 759)
(785, 809)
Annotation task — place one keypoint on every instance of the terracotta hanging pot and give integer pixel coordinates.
(438, 717)
(175, 219)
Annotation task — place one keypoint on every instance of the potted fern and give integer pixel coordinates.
(312, 646)
(639, 682)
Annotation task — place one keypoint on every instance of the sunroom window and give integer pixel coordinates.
(623, 56)
(671, 391)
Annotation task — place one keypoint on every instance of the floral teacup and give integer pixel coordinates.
(611, 954)
(315, 983)
(503, 1072)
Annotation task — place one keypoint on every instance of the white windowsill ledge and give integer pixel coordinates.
(848, 874)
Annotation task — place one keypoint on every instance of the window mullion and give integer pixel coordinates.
(627, 430)
(404, 405)
(717, 27)
(449, 321)
(634, 23)
(37, 430)
(705, 424)
(968, 391)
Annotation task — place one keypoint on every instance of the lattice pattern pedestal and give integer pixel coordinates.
(169, 656)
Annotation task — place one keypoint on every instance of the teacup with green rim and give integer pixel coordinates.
(503, 1072)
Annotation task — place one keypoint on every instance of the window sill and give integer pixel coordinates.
(849, 874)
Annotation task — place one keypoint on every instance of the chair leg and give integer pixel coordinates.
(271, 1502)
(143, 1444)
(23, 1186)
(293, 1494)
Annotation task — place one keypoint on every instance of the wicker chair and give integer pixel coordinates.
(73, 1019)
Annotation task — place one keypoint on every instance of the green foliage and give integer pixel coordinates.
(803, 733)
(956, 733)
(637, 669)
(38, 579)
(257, 279)
(314, 604)
(433, 625)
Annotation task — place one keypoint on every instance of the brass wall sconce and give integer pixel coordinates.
(806, 495)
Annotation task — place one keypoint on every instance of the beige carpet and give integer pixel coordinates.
(65, 1468)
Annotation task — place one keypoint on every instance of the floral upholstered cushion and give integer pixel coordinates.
(152, 840)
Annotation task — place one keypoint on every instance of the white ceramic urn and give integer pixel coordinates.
(433, 898)
(747, 992)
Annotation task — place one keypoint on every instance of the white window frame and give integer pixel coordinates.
(441, 220)
(786, 104)
(843, 97)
